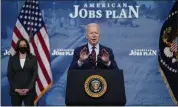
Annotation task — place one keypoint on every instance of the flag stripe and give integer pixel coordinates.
(42, 78)
(44, 46)
(45, 29)
(15, 38)
(40, 84)
(31, 49)
(22, 30)
(13, 44)
(40, 62)
(174, 47)
(42, 54)
(45, 36)
(12, 51)
(17, 32)
(38, 91)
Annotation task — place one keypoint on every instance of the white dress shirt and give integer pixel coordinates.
(22, 62)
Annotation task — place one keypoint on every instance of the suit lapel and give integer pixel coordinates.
(18, 61)
(100, 48)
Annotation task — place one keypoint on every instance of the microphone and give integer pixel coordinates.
(90, 58)
(99, 59)
(92, 61)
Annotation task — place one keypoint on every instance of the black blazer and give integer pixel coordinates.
(20, 78)
(87, 64)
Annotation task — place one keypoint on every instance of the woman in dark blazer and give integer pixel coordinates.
(22, 74)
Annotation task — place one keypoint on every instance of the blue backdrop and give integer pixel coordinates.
(143, 82)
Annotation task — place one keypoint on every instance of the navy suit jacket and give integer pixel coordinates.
(20, 78)
(87, 64)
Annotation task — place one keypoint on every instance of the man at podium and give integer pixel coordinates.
(93, 55)
(93, 77)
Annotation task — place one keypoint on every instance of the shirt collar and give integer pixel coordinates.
(90, 46)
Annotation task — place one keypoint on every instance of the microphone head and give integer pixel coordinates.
(99, 58)
(90, 58)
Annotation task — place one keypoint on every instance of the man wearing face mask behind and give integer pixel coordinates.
(22, 73)
(93, 55)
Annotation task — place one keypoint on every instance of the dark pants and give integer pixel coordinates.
(16, 100)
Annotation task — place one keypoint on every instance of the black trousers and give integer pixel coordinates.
(16, 100)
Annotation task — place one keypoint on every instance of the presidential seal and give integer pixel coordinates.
(95, 86)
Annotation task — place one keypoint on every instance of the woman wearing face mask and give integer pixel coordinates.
(22, 74)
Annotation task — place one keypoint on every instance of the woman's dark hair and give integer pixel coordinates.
(18, 44)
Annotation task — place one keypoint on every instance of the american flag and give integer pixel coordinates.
(30, 25)
(174, 47)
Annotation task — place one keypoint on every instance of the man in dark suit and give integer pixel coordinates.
(93, 55)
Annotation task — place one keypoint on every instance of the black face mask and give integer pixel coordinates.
(23, 50)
